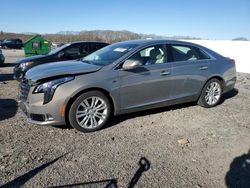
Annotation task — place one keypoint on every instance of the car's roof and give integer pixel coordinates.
(153, 41)
(14, 39)
(95, 42)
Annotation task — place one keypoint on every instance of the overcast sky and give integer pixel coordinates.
(211, 19)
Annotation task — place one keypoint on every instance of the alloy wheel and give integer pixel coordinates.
(91, 112)
(213, 93)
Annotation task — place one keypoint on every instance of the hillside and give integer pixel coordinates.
(94, 35)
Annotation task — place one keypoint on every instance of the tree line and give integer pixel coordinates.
(98, 35)
(109, 36)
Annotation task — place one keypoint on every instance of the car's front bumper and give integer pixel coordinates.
(39, 119)
(37, 112)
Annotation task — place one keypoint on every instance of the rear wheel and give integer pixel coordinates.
(90, 111)
(211, 93)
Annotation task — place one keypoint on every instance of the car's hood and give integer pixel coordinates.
(59, 69)
(31, 58)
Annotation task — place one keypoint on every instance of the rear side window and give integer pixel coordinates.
(18, 41)
(96, 47)
(187, 53)
(202, 54)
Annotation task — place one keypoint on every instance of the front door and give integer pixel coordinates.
(148, 84)
(72, 52)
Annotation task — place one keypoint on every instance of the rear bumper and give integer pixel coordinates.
(228, 88)
(229, 85)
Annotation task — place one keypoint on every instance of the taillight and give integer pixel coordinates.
(233, 61)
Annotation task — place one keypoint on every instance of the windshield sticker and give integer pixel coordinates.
(120, 49)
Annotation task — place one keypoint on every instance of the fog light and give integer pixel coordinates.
(49, 117)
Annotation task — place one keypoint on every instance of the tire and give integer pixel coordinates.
(93, 109)
(211, 94)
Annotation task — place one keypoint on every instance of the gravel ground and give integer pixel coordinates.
(177, 146)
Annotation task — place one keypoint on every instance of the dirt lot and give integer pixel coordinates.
(214, 150)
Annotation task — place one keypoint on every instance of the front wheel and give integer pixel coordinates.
(211, 94)
(90, 111)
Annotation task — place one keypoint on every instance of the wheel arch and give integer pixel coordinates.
(218, 77)
(72, 99)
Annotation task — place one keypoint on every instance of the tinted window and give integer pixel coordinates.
(13, 40)
(96, 47)
(72, 50)
(202, 54)
(183, 53)
(18, 41)
(187, 53)
(59, 49)
(150, 55)
(85, 49)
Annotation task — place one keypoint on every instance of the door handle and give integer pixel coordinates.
(164, 73)
(203, 68)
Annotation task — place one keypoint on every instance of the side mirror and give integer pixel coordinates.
(60, 54)
(131, 64)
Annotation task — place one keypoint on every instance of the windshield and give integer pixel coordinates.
(109, 54)
(58, 49)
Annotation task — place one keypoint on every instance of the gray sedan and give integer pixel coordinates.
(122, 78)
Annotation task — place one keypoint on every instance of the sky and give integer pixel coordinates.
(207, 19)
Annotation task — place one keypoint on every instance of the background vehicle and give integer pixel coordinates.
(125, 77)
(1, 42)
(70, 51)
(2, 58)
(12, 43)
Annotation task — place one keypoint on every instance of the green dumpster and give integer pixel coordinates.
(37, 45)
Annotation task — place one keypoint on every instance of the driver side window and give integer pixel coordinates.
(72, 51)
(150, 55)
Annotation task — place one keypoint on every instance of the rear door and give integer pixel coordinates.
(189, 70)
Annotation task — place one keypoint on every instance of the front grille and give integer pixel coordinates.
(24, 89)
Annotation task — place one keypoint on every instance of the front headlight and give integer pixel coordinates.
(25, 65)
(48, 88)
